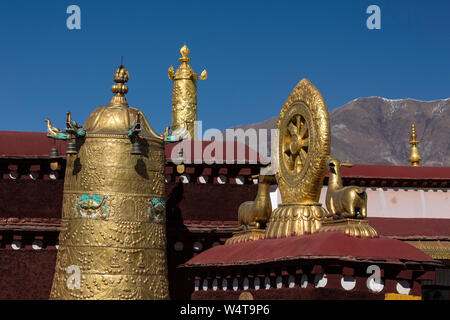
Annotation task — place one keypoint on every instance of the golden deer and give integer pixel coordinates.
(346, 202)
(252, 213)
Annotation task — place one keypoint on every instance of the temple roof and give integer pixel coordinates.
(15, 144)
(324, 245)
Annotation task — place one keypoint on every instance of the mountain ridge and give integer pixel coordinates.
(377, 130)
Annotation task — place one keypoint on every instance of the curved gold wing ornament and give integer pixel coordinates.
(203, 75)
(171, 73)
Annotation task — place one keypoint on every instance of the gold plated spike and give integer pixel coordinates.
(184, 98)
(414, 156)
(121, 76)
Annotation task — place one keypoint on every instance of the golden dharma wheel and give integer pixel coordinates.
(303, 144)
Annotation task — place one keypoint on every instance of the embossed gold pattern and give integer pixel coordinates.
(184, 98)
(303, 148)
(107, 229)
(351, 227)
(436, 249)
(247, 235)
(304, 126)
(292, 219)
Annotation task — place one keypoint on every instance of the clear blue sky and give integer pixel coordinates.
(254, 51)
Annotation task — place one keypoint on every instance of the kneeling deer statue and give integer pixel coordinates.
(345, 202)
(252, 213)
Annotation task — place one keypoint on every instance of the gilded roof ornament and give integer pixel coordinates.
(184, 51)
(114, 201)
(121, 76)
(118, 117)
(184, 98)
(414, 156)
(185, 71)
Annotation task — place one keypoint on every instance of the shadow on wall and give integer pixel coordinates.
(173, 211)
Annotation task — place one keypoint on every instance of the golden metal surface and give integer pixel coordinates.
(247, 235)
(292, 219)
(303, 148)
(113, 219)
(351, 227)
(345, 202)
(434, 248)
(398, 296)
(245, 296)
(304, 144)
(257, 212)
(414, 156)
(52, 131)
(180, 168)
(184, 98)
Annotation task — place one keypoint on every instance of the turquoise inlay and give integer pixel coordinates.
(155, 202)
(81, 132)
(61, 136)
(130, 132)
(172, 139)
(156, 209)
(91, 205)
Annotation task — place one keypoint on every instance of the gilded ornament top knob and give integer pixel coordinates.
(184, 51)
(122, 75)
(414, 157)
(413, 133)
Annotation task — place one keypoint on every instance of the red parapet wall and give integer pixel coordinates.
(31, 199)
(26, 274)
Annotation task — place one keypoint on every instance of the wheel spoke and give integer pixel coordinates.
(298, 164)
(292, 129)
(291, 162)
(303, 131)
(298, 122)
(287, 148)
(303, 154)
(305, 143)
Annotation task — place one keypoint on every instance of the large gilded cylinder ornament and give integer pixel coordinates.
(184, 98)
(112, 243)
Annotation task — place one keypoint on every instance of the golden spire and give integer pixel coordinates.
(414, 157)
(184, 51)
(184, 98)
(120, 89)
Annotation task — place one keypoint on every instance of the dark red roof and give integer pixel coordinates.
(395, 172)
(397, 228)
(36, 144)
(28, 144)
(325, 245)
(412, 228)
(241, 153)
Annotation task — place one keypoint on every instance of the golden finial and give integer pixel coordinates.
(121, 76)
(184, 51)
(184, 98)
(414, 157)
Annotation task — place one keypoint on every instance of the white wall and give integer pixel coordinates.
(396, 203)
